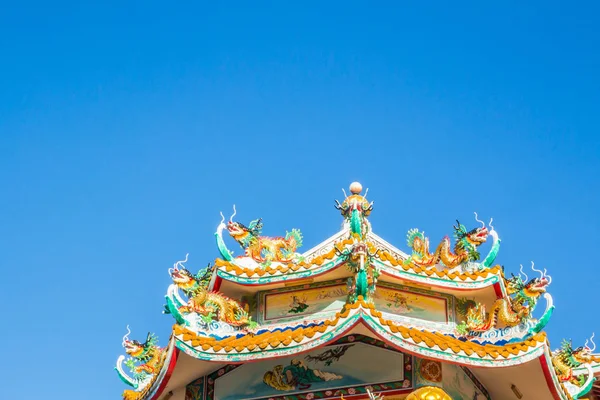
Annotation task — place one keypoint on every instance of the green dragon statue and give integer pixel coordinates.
(566, 359)
(144, 362)
(512, 310)
(211, 306)
(465, 249)
(355, 209)
(359, 261)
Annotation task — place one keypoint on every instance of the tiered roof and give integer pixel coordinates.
(489, 318)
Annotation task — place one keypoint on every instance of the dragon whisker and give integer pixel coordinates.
(233, 215)
(537, 270)
(522, 272)
(592, 340)
(366, 191)
(222, 217)
(180, 263)
(490, 223)
(480, 221)
(126, 337)
(345, 195)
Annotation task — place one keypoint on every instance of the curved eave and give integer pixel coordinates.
(293, 340)
(225, 273)
(159, 383)
(433, 278)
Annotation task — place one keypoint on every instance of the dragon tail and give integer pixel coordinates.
(294, 237)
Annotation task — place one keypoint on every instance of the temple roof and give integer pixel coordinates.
(497, 329)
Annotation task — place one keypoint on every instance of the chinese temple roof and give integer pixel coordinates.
(485, 319)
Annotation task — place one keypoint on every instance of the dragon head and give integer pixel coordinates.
(530, 287)
(475, 236)
(355, 201)
(244, 234)
(583, 354)
(136, 349)
(578, 356)
(182, 277)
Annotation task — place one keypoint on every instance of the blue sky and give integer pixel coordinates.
(126, 128)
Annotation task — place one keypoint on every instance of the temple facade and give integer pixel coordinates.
(356, 318)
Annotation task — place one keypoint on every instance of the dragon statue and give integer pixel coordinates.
(566, 359)
(465, 249)
(145, 360)
(511, 310)
(359, 260)
(355, 209)
(209, 305)
(262, 249)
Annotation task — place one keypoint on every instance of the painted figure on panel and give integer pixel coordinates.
(298, 304)
(296, 376)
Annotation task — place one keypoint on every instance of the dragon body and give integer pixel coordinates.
(210, 305)
(145, 360)
(566, 359)
(355, 209)
(465, 248)
(510, 310)
(262, 248)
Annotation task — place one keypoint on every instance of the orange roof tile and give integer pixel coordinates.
(261, 341)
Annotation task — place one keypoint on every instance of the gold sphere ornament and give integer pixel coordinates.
(429, 393)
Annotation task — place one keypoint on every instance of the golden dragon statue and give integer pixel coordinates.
(511, 310)
(566, 359)
(145, 362)
(465, 248)
(264, 249)
(211, 306)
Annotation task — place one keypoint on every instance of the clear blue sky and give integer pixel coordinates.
(126, 128)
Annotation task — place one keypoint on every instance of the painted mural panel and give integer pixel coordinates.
(292, 303)
(347, 368)
(310, 300)
(411, 304)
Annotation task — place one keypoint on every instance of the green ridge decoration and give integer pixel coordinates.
(355, 209)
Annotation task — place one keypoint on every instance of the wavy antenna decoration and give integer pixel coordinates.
(549, 277)
(523, 272)
(233, 215)
(536, 270)
(480, 221)
(126, 337)
(178, 264)
(591, 339)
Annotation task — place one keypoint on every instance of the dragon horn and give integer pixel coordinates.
(233, 215)
(522, 272)
(126, 337)
(537, 270)
(478, 220)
